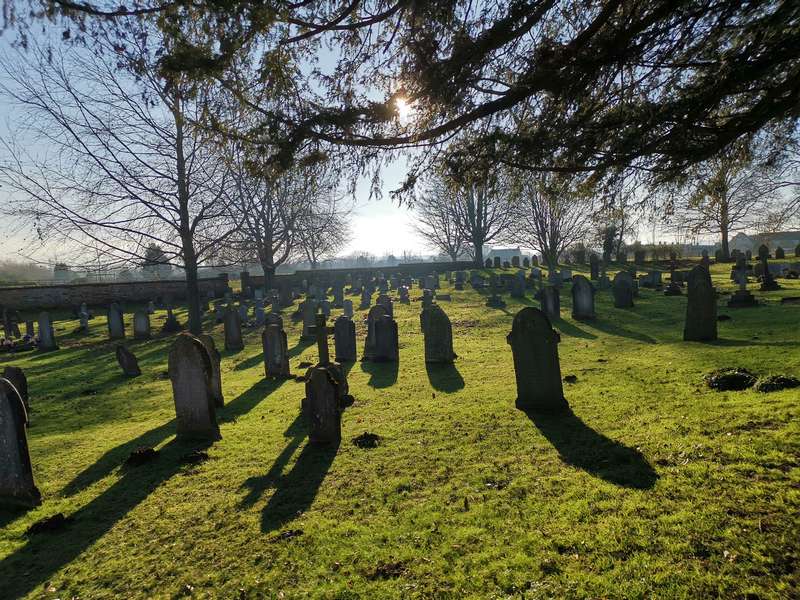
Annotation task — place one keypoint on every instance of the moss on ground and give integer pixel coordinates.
(655, 486)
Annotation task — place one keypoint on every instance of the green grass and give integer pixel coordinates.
(655, 486)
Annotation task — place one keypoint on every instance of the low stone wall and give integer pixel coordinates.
(66, 295)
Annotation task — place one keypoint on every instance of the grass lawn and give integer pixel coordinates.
(655, 486)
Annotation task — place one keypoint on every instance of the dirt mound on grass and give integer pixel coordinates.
(734, 379)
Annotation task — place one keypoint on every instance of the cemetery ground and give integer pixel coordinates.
(653, 486)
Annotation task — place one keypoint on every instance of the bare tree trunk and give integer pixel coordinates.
(192, 290)
(724, 228)
(478, 250)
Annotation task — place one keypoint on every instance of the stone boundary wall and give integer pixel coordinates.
(93, 294)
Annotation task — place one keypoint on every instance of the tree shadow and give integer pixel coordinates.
(444, 377)
(571, 330)
(116, 457)
(581, 446)
(729, 342)
(299, 347)
(250, 362)
(44, 554)
(612, 329)
(381, 374)
(294, 492)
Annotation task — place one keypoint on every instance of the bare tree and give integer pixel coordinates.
(324, 229)
(121, 166)
(554, 212)
(739, 189)
(437, 222)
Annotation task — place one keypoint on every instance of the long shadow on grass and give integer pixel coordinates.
(444, 377)
(30, 566)
(249, 362)
(294, 492)
(581, 446)
(571, 330)
(612, 329)
(381, 374)
(246, 401)
(298, 348)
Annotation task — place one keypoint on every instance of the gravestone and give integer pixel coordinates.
(347, 306)
(344, 339)
(518, 285)
(259, 312)
(171, 324)
(216, 375)
(386, 302)
(622, 289)
(233, 330)
(17, 487)
(515, 261)
(83, 321)
(18, 379)
(701, 308)
(526, 262)
(127, 362)
(582, 299)
(594, 266)
(705, 262)
(534, 344)
(243, 311)
(550, 301)
(779, 253)
(338, 295)
(274, 319)
(768, 283)
(29, 329)
(566, 275)
(190, 372)
(47, 336)
(741, 298)
(116, 322)
(797, 251)
(141, 325)
(404, 297)
(366, 299)
(326, 388)
(151, 308)
(427, 298)
(381, 344)
(438, 333)
(276, 351)
(309, 318)
(497, 262)
(488, 263)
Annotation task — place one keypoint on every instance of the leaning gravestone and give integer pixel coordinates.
(116, 322)
(17, 378)
(550, 300)
(344, 339)
(16, 475)
(276, 351)
(701, 308)
(582, 299)
(534, 344)
(216, 375)
(141, 325)
(127, 362)
(622, 289)
(47, 336)
(233, 330)
(190, 371)
(438, 333)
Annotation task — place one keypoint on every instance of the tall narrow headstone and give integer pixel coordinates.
(47, 336)
(347, 308)
(438, 333)
(550, 300)
(190, 371)
(116, 322)
(18, 379)
(534, 344)
(582, 299)
(386, 302)
(366, 299)
(141, 325)
(594, 267)
(310, 306)
(17, 487)
(381, 344)
(276, 351)
(701, 308)
(344, 339)
(233, 330)
(622, 289)
(216, 375)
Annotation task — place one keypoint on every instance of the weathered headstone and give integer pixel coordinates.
(344, 339)
(582, 299)
(17, 487)
(488, 263)
(550, 300)
(116, 322)
(741, 298)
(190, 371)
(768, 283)
(403, 292)
(127, 362)
(310, 307)
(347, 307)
(705, 261)
(233, 330)
(438, 333)
(381, 344)
(622, 289)
(47, 336)
(497, 262)
(216, 375)
(259, 312)
(534, 344)
(141, 325)
(566, 275)
(518, 285)
(386, 302)
(276, 351)
(779, 253)
(515, 261)
(701, 308)
(594, 267)
(171, 324)
(18, 379)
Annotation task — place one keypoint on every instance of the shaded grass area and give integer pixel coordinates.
(653, 485)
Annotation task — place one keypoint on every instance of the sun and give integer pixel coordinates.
(404, 109)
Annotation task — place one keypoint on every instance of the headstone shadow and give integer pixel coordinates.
(247, 400)
(45, 554)
(381, 374)
(250, 362)
(444, 377)
(299, 347)
(612, 329)
(581, 446)
(571, 330)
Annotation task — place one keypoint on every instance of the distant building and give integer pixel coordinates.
(788, 240)
(505, 254)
